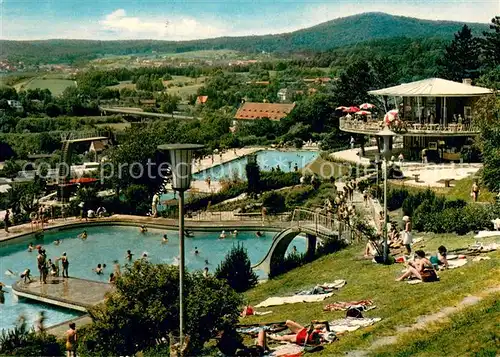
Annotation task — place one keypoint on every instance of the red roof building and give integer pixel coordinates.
(201, 99)
(273, 111)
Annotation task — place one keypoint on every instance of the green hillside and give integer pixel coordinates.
(336, 33)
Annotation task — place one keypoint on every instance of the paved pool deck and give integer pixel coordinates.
(206, 221)
(71, 293)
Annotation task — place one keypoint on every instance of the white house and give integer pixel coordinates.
(15, 104)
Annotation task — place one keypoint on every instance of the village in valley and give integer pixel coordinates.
(329, 191)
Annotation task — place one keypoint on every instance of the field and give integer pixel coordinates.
(184, 86)
(123, 84)
(55, 85)
(400, 305)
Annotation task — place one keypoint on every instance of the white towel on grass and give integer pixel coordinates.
(277, 300)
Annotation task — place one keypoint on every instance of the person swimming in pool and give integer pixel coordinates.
(206, 262)
(222, 235)
(129, 255)
(164, 240)
(143, 229)
(196, 252)
(83, 235)
(2, 292)
(235, 233)
(30, 247)
(98, 270)
(259, 234)
(57, 242)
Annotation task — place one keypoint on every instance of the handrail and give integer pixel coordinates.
(415, 128)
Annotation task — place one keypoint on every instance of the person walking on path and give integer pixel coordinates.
(6, 221)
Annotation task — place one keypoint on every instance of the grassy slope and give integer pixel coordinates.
(397, 303)
(474, 331)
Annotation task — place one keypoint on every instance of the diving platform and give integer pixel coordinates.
(71, 293)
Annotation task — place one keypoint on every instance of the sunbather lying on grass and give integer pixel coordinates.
(304, 336)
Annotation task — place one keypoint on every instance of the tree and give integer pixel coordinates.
(253, 177)
(491, 43)
(354, 83)
(144, 310)
(461, 57)
(237, 270)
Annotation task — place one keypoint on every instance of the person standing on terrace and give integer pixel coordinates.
(475, 191)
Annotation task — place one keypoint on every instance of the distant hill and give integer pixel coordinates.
(332, 34)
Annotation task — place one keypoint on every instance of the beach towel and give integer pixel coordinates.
(287, 350)
(273, 301)
(457, 263)
(254, 329)
(324, 288)
(362, 305)
(351, 324)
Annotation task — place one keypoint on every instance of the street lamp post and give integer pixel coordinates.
(181, 156)
(386, 134)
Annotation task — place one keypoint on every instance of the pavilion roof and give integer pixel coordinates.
(433, 87)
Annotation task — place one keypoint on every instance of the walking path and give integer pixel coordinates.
(424, 321)
(205, 221)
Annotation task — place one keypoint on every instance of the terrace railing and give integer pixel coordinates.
(372, 127)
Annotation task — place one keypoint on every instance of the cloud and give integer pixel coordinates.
(178, 28)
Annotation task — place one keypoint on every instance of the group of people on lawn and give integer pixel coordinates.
(420, 267)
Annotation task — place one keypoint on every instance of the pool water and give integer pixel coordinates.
(266, 159)
(108, 243)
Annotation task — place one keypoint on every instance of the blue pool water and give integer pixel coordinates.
(266, 159)
(106, 244)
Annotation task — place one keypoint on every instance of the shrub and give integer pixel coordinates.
(289, 262)
(144, 309)
(396, 197)
(274, 202)
(236, 269)
(298, 195)
(411, 203)
(21, 342)
(272, 180)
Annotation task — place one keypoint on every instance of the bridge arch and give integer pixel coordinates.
(314, 226)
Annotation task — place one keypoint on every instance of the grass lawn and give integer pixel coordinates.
(460, 189)
(473, 331)
(398, 303)
(327, 169)
(55, 85)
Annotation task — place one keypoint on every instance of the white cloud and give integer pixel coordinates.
(178, 28)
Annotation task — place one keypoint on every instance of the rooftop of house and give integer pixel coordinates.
(273, 111)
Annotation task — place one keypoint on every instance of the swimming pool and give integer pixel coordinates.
(266, 159)
(106, 244)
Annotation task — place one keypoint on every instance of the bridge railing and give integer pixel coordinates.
(320, 222)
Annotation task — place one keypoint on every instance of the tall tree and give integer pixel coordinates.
(354, 83)
(491, 43)
(461, 57)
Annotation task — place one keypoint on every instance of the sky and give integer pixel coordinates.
(195, 19)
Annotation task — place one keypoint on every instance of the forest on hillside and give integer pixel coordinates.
(354, 31)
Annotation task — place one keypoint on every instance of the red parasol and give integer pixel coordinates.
(351, 109)
(367, 106)
(83, 180)
(390, 116)
(363, 112)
